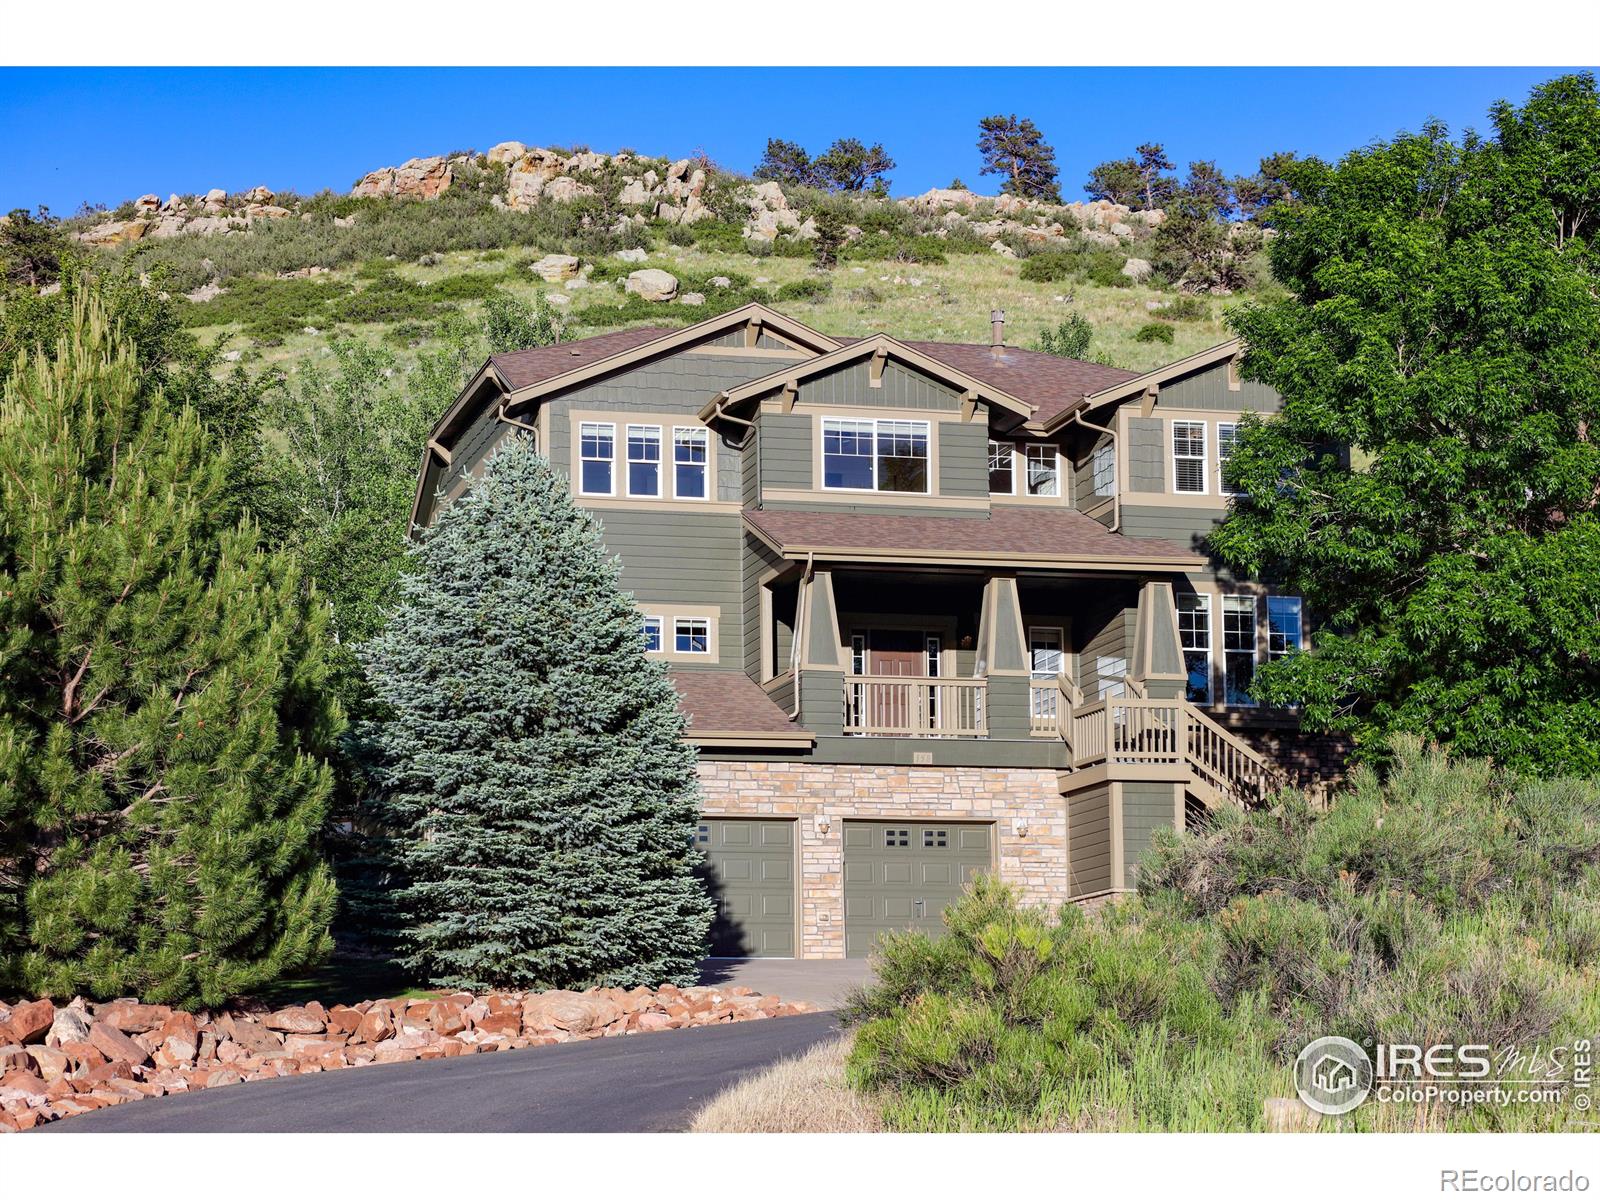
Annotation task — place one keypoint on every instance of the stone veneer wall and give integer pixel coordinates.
(1036, 863)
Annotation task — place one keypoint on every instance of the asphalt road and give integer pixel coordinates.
(644, 1083)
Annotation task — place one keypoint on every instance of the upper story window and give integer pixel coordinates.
(1002, 478)
(691, 635)
(1044, 651)
(644, 460)
(1227, 438)
(1044, 474)
(597, 458)
(1285, 627)
(652, 635)
(1194, 634)
(690, 454)
(875, 455)
(1104, 468)
(1189, 457)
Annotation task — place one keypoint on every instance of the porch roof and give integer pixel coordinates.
(728, 708)
(1031, 535)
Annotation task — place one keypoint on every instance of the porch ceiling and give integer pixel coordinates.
(1007, 536)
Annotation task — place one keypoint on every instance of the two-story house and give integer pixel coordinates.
(932, 609)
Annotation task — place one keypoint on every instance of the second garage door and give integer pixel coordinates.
(750, 874)
(902, 875)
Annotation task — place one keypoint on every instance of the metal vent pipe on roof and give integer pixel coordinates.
(997, 329)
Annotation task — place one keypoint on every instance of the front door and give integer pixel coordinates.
(898, 653)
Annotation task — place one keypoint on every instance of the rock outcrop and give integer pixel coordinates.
(415, 179)
(62, 1061)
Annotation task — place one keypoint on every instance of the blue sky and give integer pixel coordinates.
(107, 135)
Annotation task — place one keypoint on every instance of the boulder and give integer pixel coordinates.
(635, 255)
(652, 284)
(506, 152)
(148, 203)
(50, 1063)
(553, 268)
(1003, 250)
(112, 233)
(251, 1037)
(635, 193)
(259, 194)
(527, 176)
(1137, 269)
(937, 200)
(177, 1041)
(344, 1020)
(295, 1019)
(70, 1025)
(564, 189)
(375, 1026)
(692, 298)
(422, 178)
(28, 1022)
(116, 1045)
(215, 200)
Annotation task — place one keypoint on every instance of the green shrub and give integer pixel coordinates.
(1446, 903)
(813, 288)
(1069, 339)
(1154, 331)
(886, 247)
(1184, 308)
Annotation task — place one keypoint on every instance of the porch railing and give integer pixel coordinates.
(1136, 731)
(1045, 705)
(914, 706)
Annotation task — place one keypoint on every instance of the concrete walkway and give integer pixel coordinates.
(820, 981)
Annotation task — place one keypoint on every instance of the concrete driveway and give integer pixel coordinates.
(821, 981)
(645, 1083)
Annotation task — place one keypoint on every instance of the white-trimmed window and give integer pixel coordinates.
(1002, 473)
(1189, 457)
(1044, 651)
(1044, 471)
(652, 635)
(644, 460)
(1238, 649)
(1104, 467)
(1194, 634)
(875, 455)
(1285, 626)
(691, 448)
(597, 453)
(691, 635)
(1227, 438)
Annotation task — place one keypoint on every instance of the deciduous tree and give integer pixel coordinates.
(1442, 322)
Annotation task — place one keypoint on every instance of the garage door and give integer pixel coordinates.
(749, 872)
(901, 875)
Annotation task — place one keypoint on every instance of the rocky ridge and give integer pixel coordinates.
(645, 189)
(63, 1061)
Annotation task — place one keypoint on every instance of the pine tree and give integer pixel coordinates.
(530, 761)
(1014, 148)
(161, 722)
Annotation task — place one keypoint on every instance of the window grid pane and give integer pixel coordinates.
(1194, 634)
(644, 460)
(1239, 648)
(1284, 626)
(847, 454)
(691, 635)
(1042, 475)
(902, 456)
(597, 448)
(1189, 456)
(690, 454)
(652, 634)
(1227, 438)
(1001, 477)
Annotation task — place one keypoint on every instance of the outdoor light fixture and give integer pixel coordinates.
(1020, 827)
(824, 823)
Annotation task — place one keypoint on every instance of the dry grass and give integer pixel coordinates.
(807, 1094)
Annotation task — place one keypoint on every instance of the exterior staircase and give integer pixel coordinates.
(1135, 736)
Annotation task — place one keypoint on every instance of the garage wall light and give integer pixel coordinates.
(1020, 827)
(824, 823)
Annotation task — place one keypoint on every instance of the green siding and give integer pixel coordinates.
(963, 458)
(1187, 526)
(784, 442)
(1146, 467)
(1109, 632)
(850, 386)
(1089, 840)
(757, 561)
(1146, 807)
(939, 752)
(1208, 389)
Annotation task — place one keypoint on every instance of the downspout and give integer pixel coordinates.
(1116, 493)
(802, 606)
(500, 415)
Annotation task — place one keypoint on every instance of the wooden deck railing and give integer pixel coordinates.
(914, 706)
(1045, 706)
(1135, 731)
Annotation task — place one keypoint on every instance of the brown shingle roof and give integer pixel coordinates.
(523, 368)
(730, 702)
(1046, 381)
(1009, 531)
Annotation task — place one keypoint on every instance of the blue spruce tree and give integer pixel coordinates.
(529, 761)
